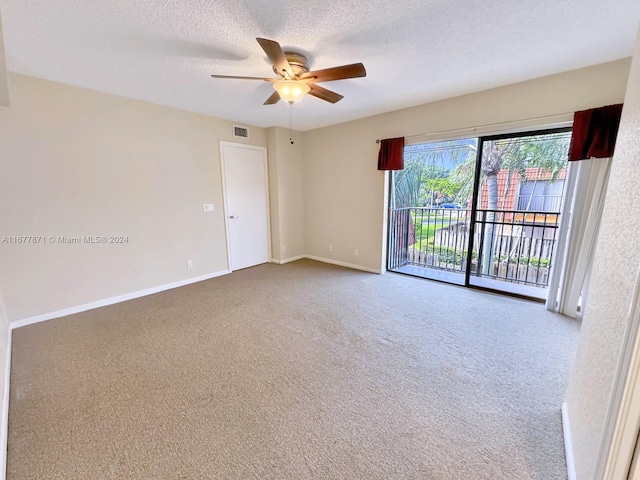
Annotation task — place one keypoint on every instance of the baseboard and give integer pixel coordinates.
(161, 288)
(326, 260)
(568, 445)
(4, 434)
(287, 260)
(110, 301)
(343, 264)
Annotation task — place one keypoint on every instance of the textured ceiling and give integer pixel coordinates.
(415, 51)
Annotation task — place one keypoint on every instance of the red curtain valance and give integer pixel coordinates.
(595, 132)
(391, 155)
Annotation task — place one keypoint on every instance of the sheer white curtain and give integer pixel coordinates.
(587, 187)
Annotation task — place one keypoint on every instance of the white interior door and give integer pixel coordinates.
(244, 170)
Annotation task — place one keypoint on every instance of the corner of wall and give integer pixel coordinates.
(274, 203)
(286, 194)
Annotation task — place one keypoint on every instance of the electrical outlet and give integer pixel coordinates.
(207, 207)
(189, 263)
(284, 248)
(331, 248)
(355, 252)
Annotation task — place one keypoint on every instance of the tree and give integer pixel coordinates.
(424, 163)
(408, 185)
(494, 154)
(445, 187)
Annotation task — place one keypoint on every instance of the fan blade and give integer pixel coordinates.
(325, 94)
(276, 55)
(273, 99)
(245, 78)
(354, 70)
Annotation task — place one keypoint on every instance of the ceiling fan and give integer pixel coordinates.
(294, 78)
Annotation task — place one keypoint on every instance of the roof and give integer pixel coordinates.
(508, 185)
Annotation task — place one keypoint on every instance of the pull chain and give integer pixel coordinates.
(291, 123)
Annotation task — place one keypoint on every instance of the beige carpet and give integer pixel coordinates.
(297, 371)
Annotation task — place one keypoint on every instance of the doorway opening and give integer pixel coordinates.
(481, 212)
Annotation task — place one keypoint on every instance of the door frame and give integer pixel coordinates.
(224, 143)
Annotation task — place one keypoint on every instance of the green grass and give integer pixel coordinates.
(427, 230)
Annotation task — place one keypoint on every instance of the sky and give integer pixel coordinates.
(447, 154)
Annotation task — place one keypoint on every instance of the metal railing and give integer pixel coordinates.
(519, 245)
(514, 246)
(429, 237)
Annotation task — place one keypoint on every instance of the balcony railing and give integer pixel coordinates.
(519, 245)
(513, 246)
(429, 237)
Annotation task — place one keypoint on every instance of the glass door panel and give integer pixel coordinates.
(519, 195)
(430, 210)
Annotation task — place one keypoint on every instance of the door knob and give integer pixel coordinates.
(233, 216)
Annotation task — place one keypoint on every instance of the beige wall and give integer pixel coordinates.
(4, 85)
(274, 210)
(286, 194)
(77, 162)
(344, 193)
(613, 283)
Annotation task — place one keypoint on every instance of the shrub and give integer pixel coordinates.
(446, 254)
(524, 260)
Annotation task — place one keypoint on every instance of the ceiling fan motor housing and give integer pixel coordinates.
(299, 63)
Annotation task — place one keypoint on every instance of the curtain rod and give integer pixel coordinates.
(473, 129)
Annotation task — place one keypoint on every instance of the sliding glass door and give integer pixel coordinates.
(517, 211)
(429, 224)
(480, 212)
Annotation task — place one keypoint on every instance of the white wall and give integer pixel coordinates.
(613, 282)
(77, 162)
(286, 194)
(345, 194)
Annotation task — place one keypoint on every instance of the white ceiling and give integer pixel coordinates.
(415, 51)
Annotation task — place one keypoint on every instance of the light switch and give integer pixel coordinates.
(207, 207)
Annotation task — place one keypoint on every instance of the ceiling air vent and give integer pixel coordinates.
(240, 132)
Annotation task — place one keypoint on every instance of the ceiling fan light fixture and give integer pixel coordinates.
(291, 91)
